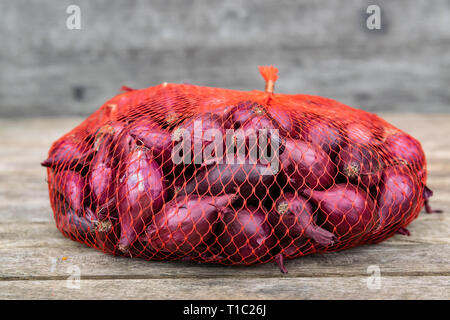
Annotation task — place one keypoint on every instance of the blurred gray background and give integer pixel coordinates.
(321, 47)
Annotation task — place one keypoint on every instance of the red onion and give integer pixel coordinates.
(157, 140)
(294, 218)
(362, 134)
(101, 178)
(70, 152)
(80, 227)
(245, 110)
(254, 128)
(198, 129)
(349, 211)
(123, 147)
(257, 118)
(110, 129)
(217, 106)
(283, 121)
(307, 164)
(322, 134)
(222, 115)
(184, 224)
(151, 135)
(362, 165)
(226, 178)
(245, 236)
(259, 122)
(121, 140)
(398, 195)
(406, 148)
(107, 234)
(73, 187)
(141, 193)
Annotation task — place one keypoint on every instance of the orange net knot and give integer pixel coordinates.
(270, 74)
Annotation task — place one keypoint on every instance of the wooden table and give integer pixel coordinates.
(36, 261)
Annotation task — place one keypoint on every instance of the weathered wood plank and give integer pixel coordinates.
(393, 260)
(36, 250)
(223, 288)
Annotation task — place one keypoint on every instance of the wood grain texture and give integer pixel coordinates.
(36, 251)
(321, 47)
(255, 288)
(36, 260)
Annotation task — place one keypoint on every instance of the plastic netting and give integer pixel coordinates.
(179, 171)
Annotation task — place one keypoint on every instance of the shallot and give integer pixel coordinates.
(348, 210)
(307, 164)
(245, 236)
(141, 193)
(294, 218)
(184, 224)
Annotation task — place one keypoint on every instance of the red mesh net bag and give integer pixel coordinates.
(179, 171)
